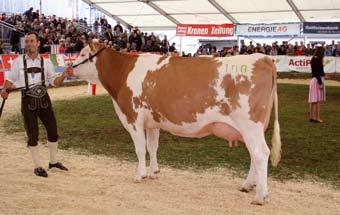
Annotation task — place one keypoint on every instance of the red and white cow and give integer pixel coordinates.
(190, 97)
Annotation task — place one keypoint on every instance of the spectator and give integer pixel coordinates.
(135, 40)
(317, 86)
(35, 15)
(1, 47)
(96, 25)
(300, 51)
(80, 43)
(244, 48)
(62, 48)
(29, 13)
(290, 50)
(15, 39)
(328, 50)
(118, 29)
(309, 51)
(337, 51)
(274, 49)
(108, 34)
(172, 48)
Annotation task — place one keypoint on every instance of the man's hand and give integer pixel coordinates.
(4, 94)
(69, 72)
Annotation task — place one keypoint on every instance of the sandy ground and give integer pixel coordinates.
(101, 185)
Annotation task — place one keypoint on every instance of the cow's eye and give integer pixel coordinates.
(83, 55)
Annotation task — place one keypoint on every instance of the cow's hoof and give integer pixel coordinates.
(258, 202)
(156, 172)
(140, 179)
(247, 189)
(244, 190)
(153, 176)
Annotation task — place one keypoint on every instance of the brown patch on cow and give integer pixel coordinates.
(181, 90)
(233, 87)
(261, 97)
(113, 70)
(161, 59)
(225, 109)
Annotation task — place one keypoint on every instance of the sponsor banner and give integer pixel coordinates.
(337, 65)
(223, 30)
(299, 63)
(280, 62)
(321, 27)
(265, 30)
(302, 64)
(329, 64)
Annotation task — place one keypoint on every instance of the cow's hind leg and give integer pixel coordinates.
(259, 154)
(139, 140)
(152, 139)
(250, 182)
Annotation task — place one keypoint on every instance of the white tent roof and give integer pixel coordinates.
(165, 14)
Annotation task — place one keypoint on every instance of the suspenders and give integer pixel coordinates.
(42, 72)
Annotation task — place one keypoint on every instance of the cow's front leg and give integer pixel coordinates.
(152, 139)
(139, 140)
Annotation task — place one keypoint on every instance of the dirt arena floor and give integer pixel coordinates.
(102, 185)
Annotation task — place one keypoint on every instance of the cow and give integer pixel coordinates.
(230, 98)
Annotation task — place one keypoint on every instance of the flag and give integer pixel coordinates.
(7, 60)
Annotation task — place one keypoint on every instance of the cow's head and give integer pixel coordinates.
(85, 65)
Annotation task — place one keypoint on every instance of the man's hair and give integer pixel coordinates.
(35, 33)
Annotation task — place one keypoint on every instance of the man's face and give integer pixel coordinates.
(31, 43)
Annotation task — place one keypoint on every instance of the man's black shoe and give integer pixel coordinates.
(40, 172)
(57, 165)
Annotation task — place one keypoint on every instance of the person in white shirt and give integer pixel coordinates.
(35, 74)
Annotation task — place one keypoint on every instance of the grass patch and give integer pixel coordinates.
(309, 150)
(301, 75)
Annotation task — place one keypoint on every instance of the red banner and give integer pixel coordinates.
(223, 30)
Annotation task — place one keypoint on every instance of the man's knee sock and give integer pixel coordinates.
(52, 146)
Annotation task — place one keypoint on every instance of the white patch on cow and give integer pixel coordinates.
(87, 71)
(210, 115)
(143, 65)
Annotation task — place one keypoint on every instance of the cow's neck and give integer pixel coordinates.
(113, 69)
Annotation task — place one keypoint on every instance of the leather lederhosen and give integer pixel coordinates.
(36, 104)
(36, 97)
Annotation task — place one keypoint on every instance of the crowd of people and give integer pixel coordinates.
(297, 49)
(72, 35)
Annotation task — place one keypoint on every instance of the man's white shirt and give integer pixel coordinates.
(17, 76)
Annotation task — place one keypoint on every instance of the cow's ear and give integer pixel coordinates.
(91, 46)
(94, 45)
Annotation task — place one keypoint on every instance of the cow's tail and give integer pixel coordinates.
(275, 154)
